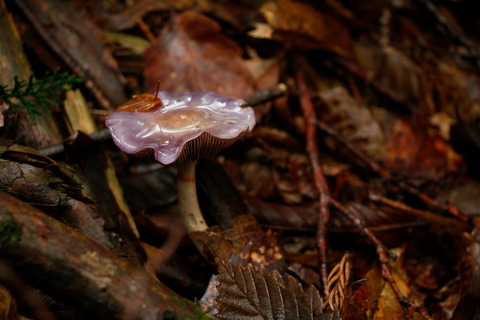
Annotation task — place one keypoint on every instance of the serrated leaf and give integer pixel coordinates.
(251, 293)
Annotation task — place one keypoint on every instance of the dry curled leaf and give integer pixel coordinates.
(376, 297)
(221, 244)
(245, 243)
(262, 253)
(337, 283)
(249, 293)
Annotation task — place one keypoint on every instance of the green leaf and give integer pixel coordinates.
(35, 96)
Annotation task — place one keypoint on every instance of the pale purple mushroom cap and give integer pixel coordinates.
(187, 127)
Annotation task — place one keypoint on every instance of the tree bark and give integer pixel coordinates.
(80, 272)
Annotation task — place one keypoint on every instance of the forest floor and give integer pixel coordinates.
(355, 196)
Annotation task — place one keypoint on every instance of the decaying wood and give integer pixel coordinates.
(69, 266)
(22, 291)
(49, 186)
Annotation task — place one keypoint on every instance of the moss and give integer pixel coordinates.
(9, 233)
(185, 304)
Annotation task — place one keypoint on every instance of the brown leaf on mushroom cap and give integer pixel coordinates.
(141, 103)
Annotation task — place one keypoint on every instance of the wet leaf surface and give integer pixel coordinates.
(191, 54)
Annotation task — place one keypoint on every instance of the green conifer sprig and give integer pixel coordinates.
(35, 96)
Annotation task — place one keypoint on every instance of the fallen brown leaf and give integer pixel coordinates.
(247, 293)
(306, 27)
(192, 54)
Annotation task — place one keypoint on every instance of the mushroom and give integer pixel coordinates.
(178, 129)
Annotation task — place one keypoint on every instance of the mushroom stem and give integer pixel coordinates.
(187, 198)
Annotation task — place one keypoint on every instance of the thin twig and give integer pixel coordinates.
(431, 217)
(318, 176)
(429, 201)
(266, 95)
(146, 30)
